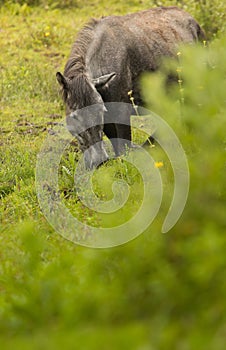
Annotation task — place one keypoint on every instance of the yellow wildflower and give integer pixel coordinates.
(159, 164)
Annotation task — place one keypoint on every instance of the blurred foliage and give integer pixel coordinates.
(157, 292)
(42, 3)
(211, 14)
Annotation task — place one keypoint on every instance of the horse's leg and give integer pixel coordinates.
(119, 132)
(123, 136)
(111, 132)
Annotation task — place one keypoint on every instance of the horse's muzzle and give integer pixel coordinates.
(95, 156)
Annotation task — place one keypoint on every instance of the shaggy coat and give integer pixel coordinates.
(107, 59)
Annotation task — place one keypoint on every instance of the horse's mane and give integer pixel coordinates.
(76, 62)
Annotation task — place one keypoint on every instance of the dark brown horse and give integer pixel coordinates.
(106, 62)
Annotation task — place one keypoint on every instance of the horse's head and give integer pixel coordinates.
(85, 115)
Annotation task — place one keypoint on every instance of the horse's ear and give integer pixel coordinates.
(62, 80)
(104, 80)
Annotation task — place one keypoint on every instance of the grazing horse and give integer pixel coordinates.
(106, 61)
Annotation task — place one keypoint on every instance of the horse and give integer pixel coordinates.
(106, 62)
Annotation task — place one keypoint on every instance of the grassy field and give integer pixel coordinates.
(156, 292)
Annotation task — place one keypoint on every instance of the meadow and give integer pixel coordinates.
(158, 291)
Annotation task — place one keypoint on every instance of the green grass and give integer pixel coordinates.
(156, 292)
